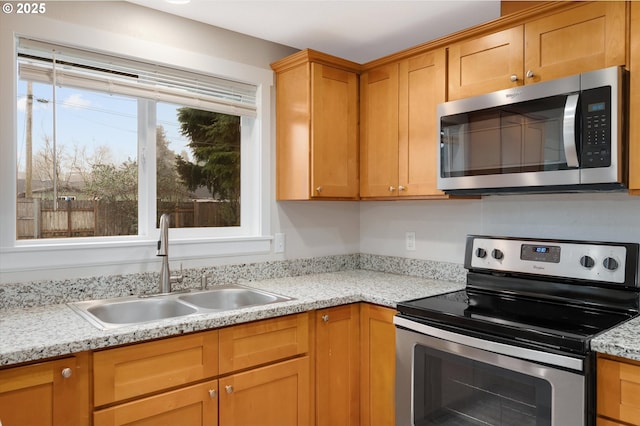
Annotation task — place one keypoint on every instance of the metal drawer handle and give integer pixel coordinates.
(229, 389)
(325, 318)
(212, 393)
(66, 373)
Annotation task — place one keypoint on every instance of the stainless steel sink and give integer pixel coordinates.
(133, 310)
(226, 298)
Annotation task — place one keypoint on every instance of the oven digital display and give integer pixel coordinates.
(539, 253)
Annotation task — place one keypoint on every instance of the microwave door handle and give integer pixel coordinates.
(569, 130)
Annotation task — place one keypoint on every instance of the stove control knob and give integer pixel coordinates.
(497, 254)
(481, 253)
(610, 263)
(587, 262)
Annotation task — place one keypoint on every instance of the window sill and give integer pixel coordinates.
(44, 261)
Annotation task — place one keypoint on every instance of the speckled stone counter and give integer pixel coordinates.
(623, 341)
(53, 330)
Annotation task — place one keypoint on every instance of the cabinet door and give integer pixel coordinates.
(379, 132)
(275, 395)
(584, 38)
(190, 406)
(292, 133)
(337, 366)
(378, 364)
(260, 342)
(422, 88)
(486, 64)
(143, 368)
(49, 393)
(618, 390)
(334, 134)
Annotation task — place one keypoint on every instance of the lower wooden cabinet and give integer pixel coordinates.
(338, 366)
(47, 393)
(355, 365)
(254, 373)
(192, 405)
(144, 368)
(333, 366)
(618, 391)
(377, 365)
(274, 395)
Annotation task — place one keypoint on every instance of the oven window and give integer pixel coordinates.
(456, 391)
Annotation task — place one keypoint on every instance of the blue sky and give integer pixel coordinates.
(90, 119)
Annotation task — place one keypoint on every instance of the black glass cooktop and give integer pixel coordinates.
(508, 317)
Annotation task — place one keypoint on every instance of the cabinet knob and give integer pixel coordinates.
(514, 77)
(325, 318)
(401, 188)
(530, 74)
(392, 188)
(212, 393)
(66, 372)
(229, 389)
(319, 189)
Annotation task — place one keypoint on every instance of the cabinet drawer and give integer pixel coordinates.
(193, 405)
(247, 345)
(619, 390)
(144, 368)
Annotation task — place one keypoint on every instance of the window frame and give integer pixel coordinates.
(129, 254)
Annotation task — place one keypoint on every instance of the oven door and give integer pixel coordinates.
(442, 382)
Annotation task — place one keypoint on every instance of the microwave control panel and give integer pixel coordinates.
(596, 123)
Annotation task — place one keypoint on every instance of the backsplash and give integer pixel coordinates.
(40, 293)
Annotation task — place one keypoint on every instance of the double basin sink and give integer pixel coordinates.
(132, 310)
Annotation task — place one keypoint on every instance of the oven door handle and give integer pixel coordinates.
(569, 131)
(576, 364)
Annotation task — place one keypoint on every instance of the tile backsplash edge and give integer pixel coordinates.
(40, 293)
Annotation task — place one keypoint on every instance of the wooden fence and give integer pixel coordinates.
(38, 218)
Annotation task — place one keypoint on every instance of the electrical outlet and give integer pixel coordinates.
(278, 243)
(410, 241)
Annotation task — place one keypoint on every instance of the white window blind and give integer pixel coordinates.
(104, 73)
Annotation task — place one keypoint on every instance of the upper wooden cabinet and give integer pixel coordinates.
(398, 143)
(316, 127)
(486, 64)
(583, 38)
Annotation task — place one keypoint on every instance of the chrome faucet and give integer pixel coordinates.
(166, 279)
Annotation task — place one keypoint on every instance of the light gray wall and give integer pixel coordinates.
(441, 226)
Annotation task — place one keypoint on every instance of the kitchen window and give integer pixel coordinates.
(105, 144)
(90, 127)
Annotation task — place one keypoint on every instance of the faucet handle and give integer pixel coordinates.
(203, 282)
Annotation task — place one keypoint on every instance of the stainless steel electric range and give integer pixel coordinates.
(513, 348)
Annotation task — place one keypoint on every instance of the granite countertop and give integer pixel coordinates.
(42, 332)
(56, 330)
(622, 341)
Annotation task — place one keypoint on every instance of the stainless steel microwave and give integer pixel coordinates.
(564, 135)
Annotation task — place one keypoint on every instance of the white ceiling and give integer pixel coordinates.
(358, 30)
